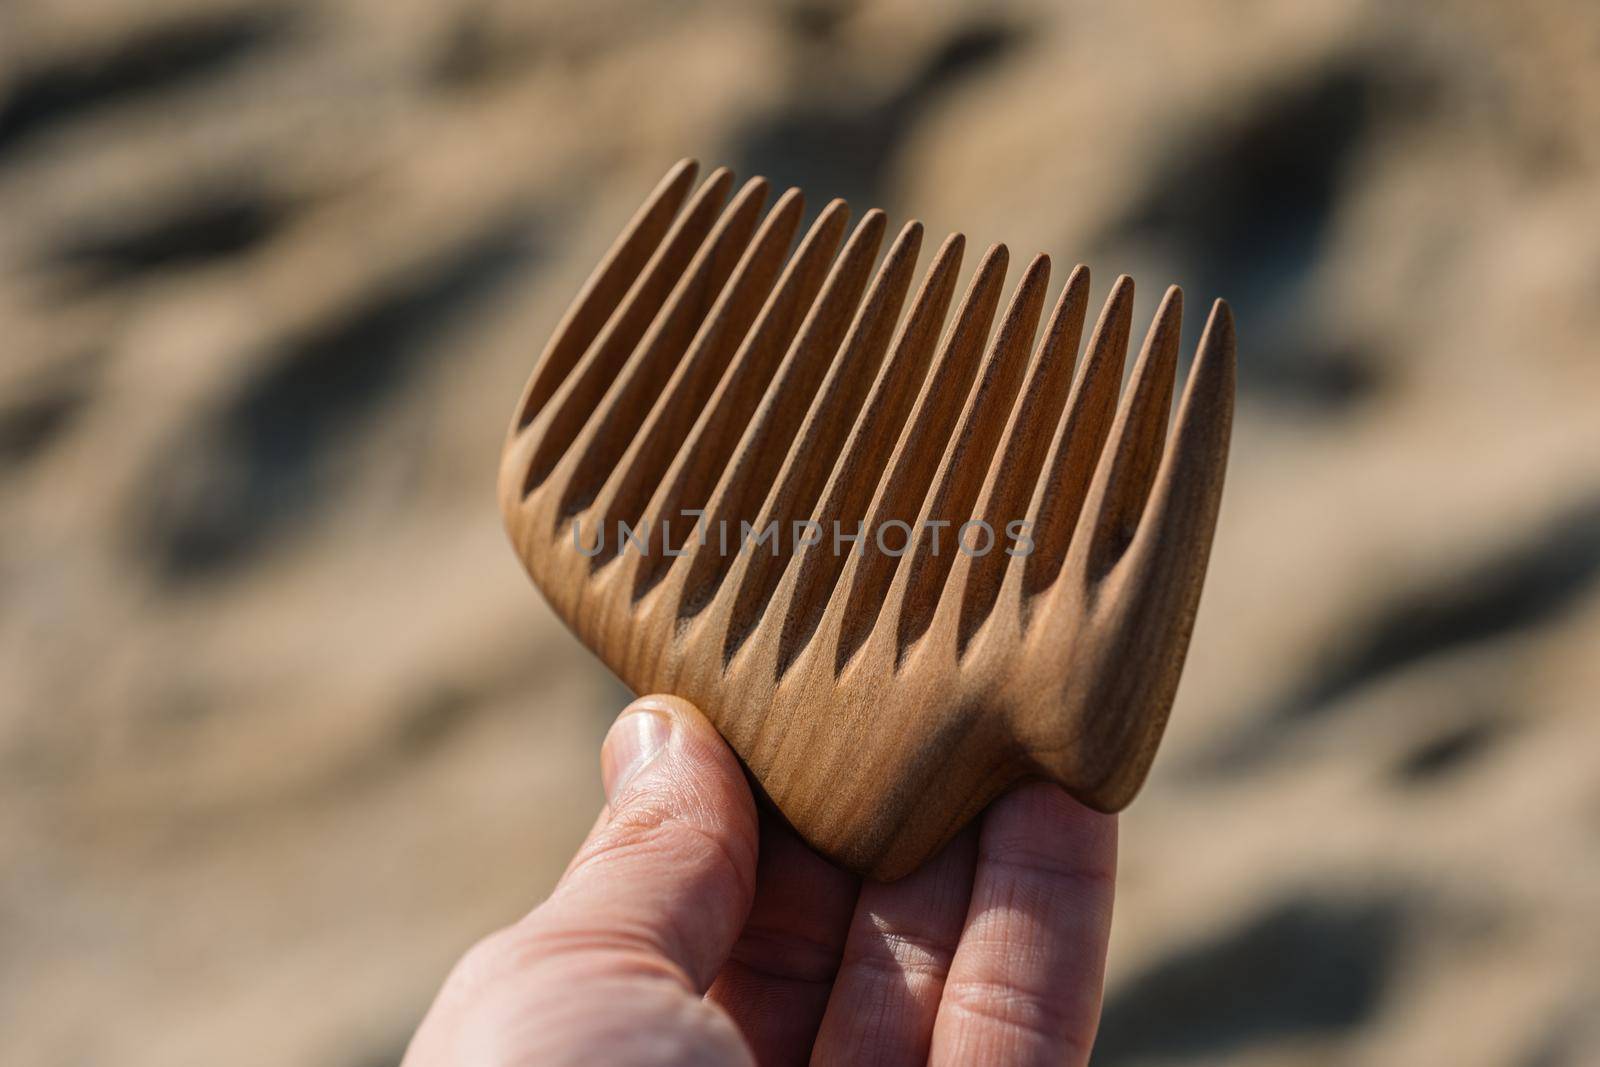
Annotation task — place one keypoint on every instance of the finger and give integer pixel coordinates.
(775, 984)
(667, 878)
(901, 942)
(1025, 983)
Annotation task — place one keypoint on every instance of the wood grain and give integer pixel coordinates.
(881, 692)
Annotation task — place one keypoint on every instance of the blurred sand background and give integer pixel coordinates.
(283, 726)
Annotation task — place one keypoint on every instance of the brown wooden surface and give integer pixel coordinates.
(880, 700)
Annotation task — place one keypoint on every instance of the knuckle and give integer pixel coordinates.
(651, 834)
(1025, 1015)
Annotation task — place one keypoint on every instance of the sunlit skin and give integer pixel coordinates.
(692, 929)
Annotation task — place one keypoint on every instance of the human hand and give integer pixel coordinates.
(673, 938)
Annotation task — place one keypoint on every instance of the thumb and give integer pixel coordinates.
(668, 873)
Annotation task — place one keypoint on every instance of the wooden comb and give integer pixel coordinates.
(710, 408)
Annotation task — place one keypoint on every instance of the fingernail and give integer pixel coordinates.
(634, 740)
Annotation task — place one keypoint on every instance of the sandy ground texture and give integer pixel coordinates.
(283, 727)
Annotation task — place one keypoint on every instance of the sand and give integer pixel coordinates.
(283, 727)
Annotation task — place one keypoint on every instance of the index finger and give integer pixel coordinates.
(1026, 980)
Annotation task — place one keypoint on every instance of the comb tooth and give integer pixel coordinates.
(811, 456)
(744, 484)
(1168, 554)
(575, 398)
(605, 288)
(606, 451)
(1122, 480)
(1014, 473)
(1079, 440)
(855, 474)
(1152, 594)
(1166, 562)
(904, 484)
(585, 453)
(705, 451)
(966, 460)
